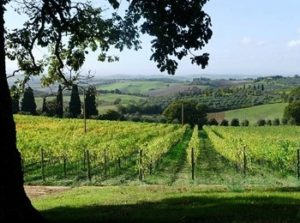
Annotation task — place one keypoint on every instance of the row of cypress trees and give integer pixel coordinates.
(27, 103)
(90, 102)
(56, 107)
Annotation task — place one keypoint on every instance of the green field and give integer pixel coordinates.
(125, 99)
(267, 112)
(169, 204)
(137, 87)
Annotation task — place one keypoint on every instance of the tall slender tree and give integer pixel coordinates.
(28, 102)
(15, 97)
(75, 103)
(67, 28)
(44, 106)
(59, 102)
(90, 102)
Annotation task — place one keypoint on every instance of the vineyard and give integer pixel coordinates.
(276, 147)
(58, 151)
(55, 142)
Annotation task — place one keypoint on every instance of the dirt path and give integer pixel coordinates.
(38, 191)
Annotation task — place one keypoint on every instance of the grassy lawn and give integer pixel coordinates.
(169, 204)
(270, 111)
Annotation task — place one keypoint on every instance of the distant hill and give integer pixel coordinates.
(269, 111)
(144, 87)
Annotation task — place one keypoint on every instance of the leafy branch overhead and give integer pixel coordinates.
(69, 29)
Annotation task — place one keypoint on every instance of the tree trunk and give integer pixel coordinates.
(14, 203)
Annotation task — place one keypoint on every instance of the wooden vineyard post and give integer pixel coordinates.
(244, 160)
(65, 166)
(151, 167)
(105, 163)
(193, 164)
(42, 165)
(141, 175)
(88, 165)
(298, 163)
(238, 161)
(84, 159)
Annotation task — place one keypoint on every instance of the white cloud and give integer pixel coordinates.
(294, 43)
(250, 41)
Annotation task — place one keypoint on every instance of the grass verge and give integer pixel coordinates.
(169, 204)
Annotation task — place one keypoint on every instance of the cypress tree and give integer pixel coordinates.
(28, 103)
(44, 106)
(15, 96)
(90, 102)
(59, 102)
(75, 104)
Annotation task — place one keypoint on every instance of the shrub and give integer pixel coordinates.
(235, 122)
(213, 121)
(261, 122)
(245, 122)
(276, 122)
(224, 123)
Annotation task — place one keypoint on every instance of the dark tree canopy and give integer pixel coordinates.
(292, 112)
(193, 113)
(177, 27)
(28, 102)
(294, 95)
(90, 102)
(75, 103)
(111, 115)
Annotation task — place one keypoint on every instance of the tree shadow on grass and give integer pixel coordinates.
(206, 209)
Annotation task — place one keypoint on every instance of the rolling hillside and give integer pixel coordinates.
(269, 111)
(137, 87)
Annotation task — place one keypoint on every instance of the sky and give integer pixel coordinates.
(250, 38)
